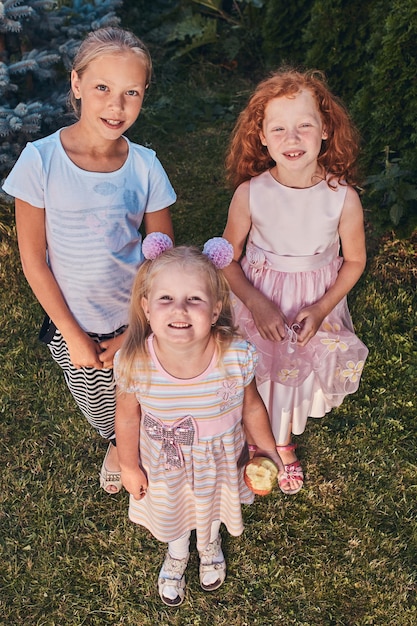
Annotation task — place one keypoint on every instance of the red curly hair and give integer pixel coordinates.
(247, 157)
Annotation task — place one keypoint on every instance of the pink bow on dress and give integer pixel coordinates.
(183, 431)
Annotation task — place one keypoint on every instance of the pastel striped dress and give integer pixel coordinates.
(191, 439)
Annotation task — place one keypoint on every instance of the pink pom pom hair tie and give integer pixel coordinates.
(218, 250)
(155, 244)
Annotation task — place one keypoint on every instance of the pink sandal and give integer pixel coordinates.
(292, 471)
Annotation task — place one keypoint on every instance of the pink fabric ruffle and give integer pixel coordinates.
(335, 355)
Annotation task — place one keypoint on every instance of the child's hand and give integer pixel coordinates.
(108, 348)
(135, 482)
(272, 454)
(309, 320)
(84, 352)
(268, 319)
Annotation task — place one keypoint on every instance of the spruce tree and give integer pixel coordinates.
(38, 39)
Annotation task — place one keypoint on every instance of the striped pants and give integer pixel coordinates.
(92, 389)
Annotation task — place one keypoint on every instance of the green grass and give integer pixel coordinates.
(342, 552)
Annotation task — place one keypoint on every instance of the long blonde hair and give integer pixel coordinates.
(187, 258)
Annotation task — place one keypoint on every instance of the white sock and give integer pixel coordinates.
(180, 548)
(215, 528)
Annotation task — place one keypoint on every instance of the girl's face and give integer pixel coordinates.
(111, 89)
(293, 132)
(180, 307)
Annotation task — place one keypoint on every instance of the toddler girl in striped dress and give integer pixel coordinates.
(186, 392)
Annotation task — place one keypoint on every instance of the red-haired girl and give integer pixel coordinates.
(291, 161)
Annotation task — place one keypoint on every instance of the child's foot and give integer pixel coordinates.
(110, 479)
(292, 479)
(171, 580)
(212, 566)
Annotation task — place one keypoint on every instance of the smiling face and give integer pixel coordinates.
(180, 307)
(111, 89)
(293, 132)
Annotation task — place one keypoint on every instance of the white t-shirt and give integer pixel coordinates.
(92, 221)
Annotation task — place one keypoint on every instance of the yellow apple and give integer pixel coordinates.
(260, 475)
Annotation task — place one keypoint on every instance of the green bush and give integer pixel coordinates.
(335, 42)
(225, 32)
(282, 26)
(386, 104)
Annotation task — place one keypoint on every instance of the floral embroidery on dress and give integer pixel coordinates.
(335, 343)
(331, 328)
(229, 393)
(256, 258)
(353, 371)
(284, 374)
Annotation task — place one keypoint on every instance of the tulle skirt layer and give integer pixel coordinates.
(297, 382)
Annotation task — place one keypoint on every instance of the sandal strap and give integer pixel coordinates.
(174, 568)
(113, 477)
(212, 567)
(170, 582)
(288, 448)
(294, 471)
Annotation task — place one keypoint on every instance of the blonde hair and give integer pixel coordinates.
(111, 40)
(187, 258)
(247, 157)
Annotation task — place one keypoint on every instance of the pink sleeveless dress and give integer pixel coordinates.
(292, 256)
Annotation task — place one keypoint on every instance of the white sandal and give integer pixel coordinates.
(109, 479)
(213, 549)
(175, 569)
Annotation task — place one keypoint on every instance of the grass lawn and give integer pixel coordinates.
(341, 552)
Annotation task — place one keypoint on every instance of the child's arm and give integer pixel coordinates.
(109, 348)
(267, 317)
(352, 237)
(159, 222)
(30, 225)
(127, 437)
(257, 426)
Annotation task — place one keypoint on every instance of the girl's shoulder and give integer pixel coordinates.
(241, 349)
(145, 159)
(240, 343)
(136, 150)
(49, 140)
(241, 359)
(44, 149)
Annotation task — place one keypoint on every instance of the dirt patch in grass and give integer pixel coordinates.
(396, 262)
